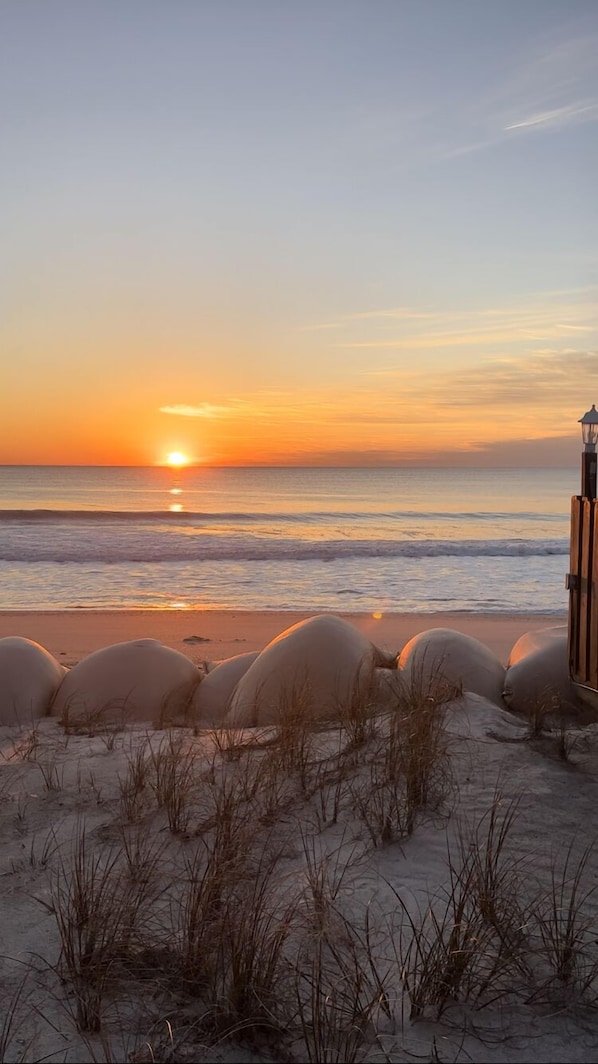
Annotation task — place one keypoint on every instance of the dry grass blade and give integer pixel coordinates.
(440, 963)
(410, 771)
(14, 1019)
(468, 942)
(233, 927)
(231, 743)
(199, 910)
(496, 876)
(173, 781)
(79, 719)
(329, 1035)
(339, 989)
(94, 912)
(419, 738)
(228, 819)
(252, 966)
(540, 712)
(52, 778)
(381, 804)
(294, 735)
(227, 836)
(357, 712)
(325, 874)
(133, 787)
(568, 928)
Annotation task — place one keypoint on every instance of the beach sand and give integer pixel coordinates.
(321, 842)
(217, 634)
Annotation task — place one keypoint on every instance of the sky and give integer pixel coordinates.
(334, 232)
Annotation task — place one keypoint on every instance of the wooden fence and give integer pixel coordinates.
(582, 582)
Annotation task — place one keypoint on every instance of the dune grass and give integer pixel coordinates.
(229, 896)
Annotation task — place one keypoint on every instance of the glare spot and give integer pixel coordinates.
(177, 459)
(377, 616)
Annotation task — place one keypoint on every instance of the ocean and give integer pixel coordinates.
(341, 540)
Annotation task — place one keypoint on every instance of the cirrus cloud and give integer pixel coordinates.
(201, 410)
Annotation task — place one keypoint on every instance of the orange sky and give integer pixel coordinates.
(409, 392)
(390, 261)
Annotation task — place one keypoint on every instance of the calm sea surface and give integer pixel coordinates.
(306, 539)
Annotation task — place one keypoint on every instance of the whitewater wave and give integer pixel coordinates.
(197, 517)
(200, 549)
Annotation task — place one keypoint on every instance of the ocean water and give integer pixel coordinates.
(345, 540)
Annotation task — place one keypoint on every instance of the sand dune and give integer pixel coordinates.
(266, 893)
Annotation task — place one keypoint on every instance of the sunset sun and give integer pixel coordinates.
(177, 459)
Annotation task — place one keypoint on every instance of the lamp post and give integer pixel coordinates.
(589, 458)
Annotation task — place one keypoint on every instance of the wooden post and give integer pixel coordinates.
(585, 589)
(573, 584)
(582, 582)
(589, 460)
(592, 641)
(582, 578)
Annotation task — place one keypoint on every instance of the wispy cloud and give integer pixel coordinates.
(202, 410)
(321, 328)
(395, 313)
(574, 328)
(462, 338)
(552, 85)
(545, 318)
(583, 111)
(543, 390)
(542, 378)
(572, 308)
(400, 313)
(553, 380)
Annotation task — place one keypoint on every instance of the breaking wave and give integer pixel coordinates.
(155, 547)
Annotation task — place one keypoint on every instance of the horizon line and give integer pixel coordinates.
(278, 465)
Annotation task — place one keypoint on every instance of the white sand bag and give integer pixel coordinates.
(315, 667)
(537, 678)
(29, 679)
(212, 698)
(141, 680)
(441, 657)
(537, 640)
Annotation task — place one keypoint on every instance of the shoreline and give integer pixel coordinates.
(215, 635)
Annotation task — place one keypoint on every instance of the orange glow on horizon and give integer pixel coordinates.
(374, 425)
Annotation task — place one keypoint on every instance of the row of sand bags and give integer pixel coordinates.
(320, 666)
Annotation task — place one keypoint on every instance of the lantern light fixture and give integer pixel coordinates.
(589, 457)
(589, 428)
